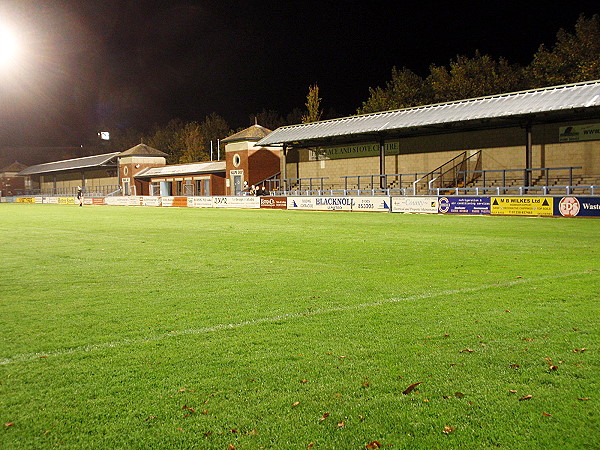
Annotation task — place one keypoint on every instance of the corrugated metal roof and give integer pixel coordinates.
(70, 164)
(183, 169)
(557, 98)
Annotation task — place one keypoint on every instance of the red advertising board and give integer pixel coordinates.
(273, 202)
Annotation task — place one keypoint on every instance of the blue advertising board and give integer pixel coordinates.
(577, 206)
(464, 205)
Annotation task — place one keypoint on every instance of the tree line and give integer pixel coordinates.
(574, 57)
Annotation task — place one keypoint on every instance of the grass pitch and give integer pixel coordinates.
(192, 328)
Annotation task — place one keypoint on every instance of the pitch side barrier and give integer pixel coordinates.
(530, 205)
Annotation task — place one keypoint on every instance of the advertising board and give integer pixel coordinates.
(416, 205)
(577, 207)
(371, 204)
(320, 203)
(200, 202)
(174, 201)
(151, 201)
(236, 202)
(464, 205)
(522, 206)
(273, 202)
(25, 199)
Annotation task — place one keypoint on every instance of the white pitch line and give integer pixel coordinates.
(279, 318)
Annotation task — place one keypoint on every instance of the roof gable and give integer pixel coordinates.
(143, 150)
(252, 133)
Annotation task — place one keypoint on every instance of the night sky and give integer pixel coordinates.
(94, 64)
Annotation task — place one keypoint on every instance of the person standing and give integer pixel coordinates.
(80, 195)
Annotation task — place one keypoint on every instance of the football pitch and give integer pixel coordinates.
(128, 327)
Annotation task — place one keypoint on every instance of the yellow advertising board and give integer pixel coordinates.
(522, 206)
(66, 201)
(25, 199)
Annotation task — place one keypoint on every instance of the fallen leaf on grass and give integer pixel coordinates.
(579, 350)
(467, 350)
(512, 391)
(325, 416)
(514, 366)
(303, 381)
(230, 447)
(551, 367)
(373, 445)
(341, 424)
(546, 414)
(583, 398)
(309, 446)
(295, 404)
(8, 424)
(448, 430)
(409, 389)
(459, 394)
(527, 397)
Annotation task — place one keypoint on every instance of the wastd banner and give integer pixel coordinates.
(523, 206)
(577, 207)
(464, 205)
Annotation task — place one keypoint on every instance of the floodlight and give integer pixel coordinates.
(9, 46)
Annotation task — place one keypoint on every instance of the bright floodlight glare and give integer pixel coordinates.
(8, 46)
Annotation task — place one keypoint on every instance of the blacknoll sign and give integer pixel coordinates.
(273, 202)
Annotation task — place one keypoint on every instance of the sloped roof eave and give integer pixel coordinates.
(556, 99)
(70, 164)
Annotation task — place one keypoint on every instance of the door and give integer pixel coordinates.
(237, 185)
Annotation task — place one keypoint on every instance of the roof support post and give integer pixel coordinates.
(284, 169)
(528, 155)
(382, 181)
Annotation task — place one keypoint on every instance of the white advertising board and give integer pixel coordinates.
(151, 201)
(131, 200)
(236, 202)
(320, 203)
(421, 205)
(371, 204)
(51, 200)
(200, 202)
